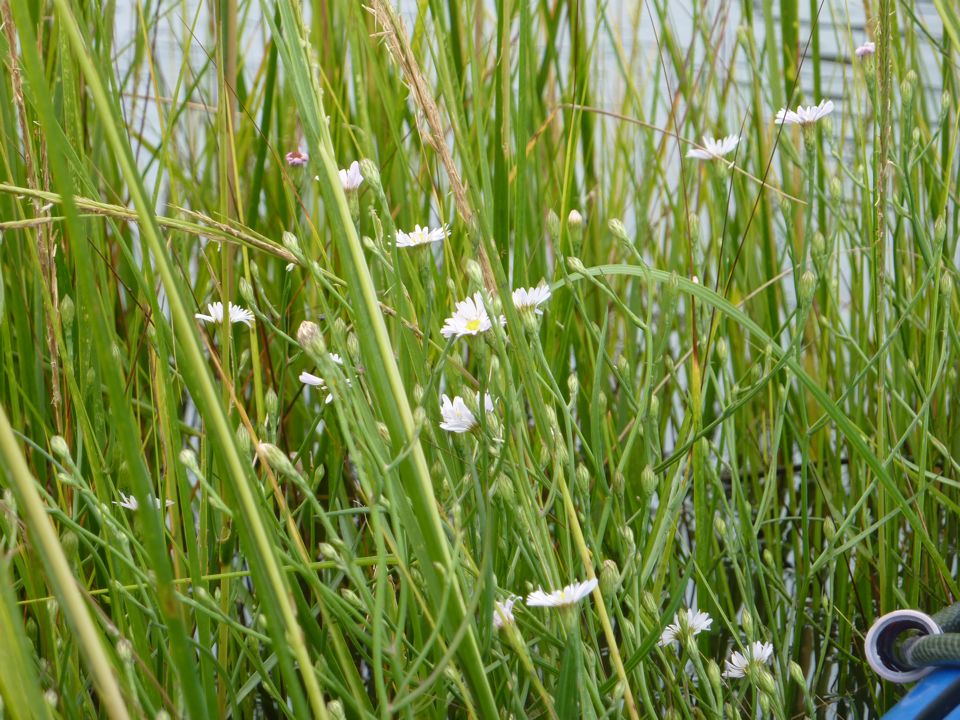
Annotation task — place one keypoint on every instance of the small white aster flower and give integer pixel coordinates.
(714, 148)
(470, 318)
(130, 502)
(421, 236)
(503, 612)
(527, 299)
(685, 623)
(316, 381)
(868, 48)
(351, 177)
(754, 655)
(804, 115)
(570, 595)
(457, 417)
(237, 314)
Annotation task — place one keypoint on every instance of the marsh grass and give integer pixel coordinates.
(741, 396)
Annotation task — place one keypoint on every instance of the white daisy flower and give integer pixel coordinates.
(130, 502)
(714, 148)
(351, 177)
(753, 656)
(527, 299)
(503, 612)
(570, 595)
(457, 417)
(421, 236)
(686, 623)
(868, 48)
(470, 318)
(804, 115)
(237, 314)
(316, 381)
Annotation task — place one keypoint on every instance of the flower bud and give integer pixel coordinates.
(371, 174)
(808, 285)
(576, 265)
(720, 525)
(291, 243)
(574, 220)
(796, 672)
(475, 273)
(746, 623)
(243, 439)
(829, 529)
(618, 230)
(573, 385)
(335, 709)
(271, 402)
(67, 311)
(582, 478)
(713, 674)
(648, 481)
(766, 683)
(308, 335)
(609, 578)
(245, 290)
(277, 459)
(60, 448)
(836, 189)
(946, 283)
(188, 458)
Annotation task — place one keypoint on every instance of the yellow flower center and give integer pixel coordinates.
(473, 325)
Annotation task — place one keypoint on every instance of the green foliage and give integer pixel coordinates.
(740, 396)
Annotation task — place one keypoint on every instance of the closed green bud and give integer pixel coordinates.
(907, 87)
(291, 243)
(693, 221)
(654, 406)
(574, 220)
(188, 458)
(67, 311)
(271, 402)
(766, 683)
(576, 265)
(946, 283)
(713, 674)
(618, 483)
(818, 244)
(836, 189)
(808, 284)
(829, 529)
(609, 578)
(583, 479)
(573, 385)
(648, 481)
(474, 272)
(245, 290)
(335, 708)
(722, 350)
(553, 224)
(243, 439)
(277, 459)
(351, 597)
(649, 604)
(371, 174)
(60, 448)
(503, 491)
(720, 525)
(746, 622)
(618, 230)
(796, 672)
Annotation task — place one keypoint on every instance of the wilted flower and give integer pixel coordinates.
(421, 236)
(237, 314)
(714, 148)
(804, 115)
(470, 318)
(570, 595)
(503, 612)
(755, 655)
(527, 299)
(130, 502)
(296, 158)
(868, 48)
(351, 177)
(686, 623)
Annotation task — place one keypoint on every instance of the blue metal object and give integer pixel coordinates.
(935, 697)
